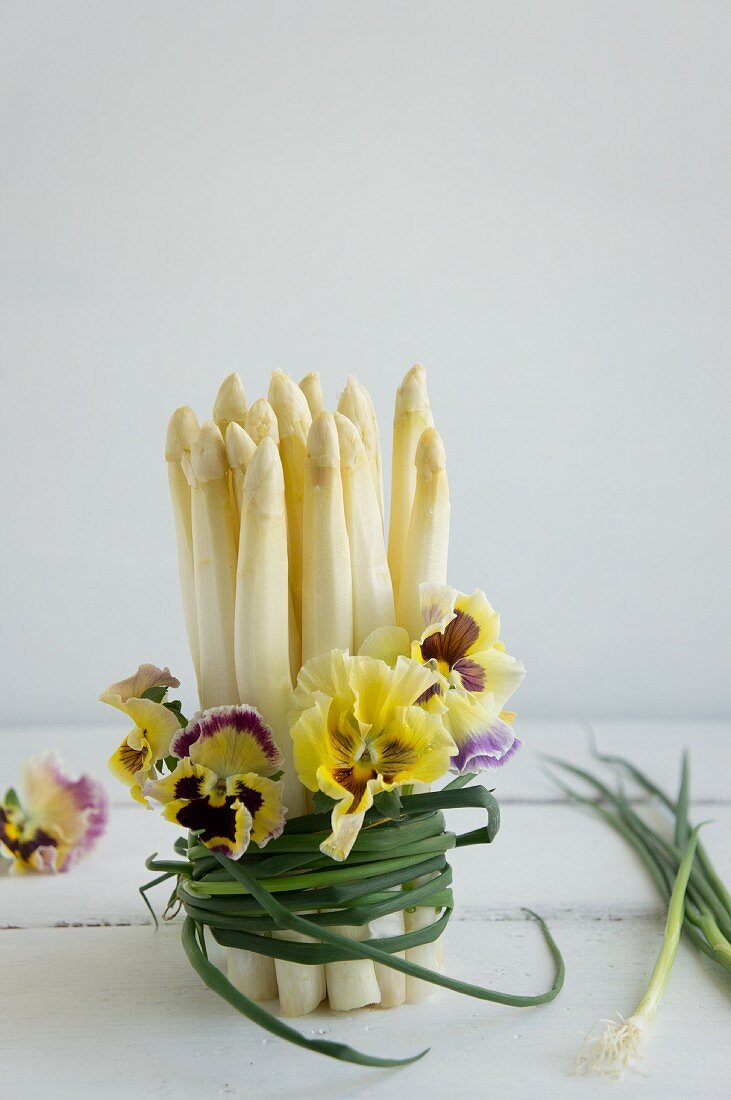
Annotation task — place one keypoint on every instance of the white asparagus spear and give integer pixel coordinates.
(240, 449)
(411, 416)
(294, 420)
(427, 954)
(327, 623)
(372, 591)
(230, 403)
(391, 983)
(355, 403)
(311, 387)
(182, 431)
(214, 554)
(261, 630)
(427, 541)
(327, 586)
(261, 420)
(376, 444)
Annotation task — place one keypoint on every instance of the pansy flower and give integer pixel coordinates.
(154, 726)
(221, 786)
(357, 731)
(56, 819)
(476, 677)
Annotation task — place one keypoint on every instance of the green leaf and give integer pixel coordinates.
(322, 803)
(388, 803)
(156, 694)
(11, 797)
(174, 705)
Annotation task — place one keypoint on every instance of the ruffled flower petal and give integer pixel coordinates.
(329, 675)
(479, 610)
(188, 781)
(483, 739)
(415, 748)
(224, 823)
(380, 690)
(58, 820)
(154, 723)
(262, 799)
(229, 741)
(437, 605)
(134, 687)
(133, 765)
(492, 672)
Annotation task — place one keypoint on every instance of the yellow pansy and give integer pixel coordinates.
(357, 731)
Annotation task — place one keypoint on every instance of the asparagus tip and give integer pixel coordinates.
(264, 480)
(261, 420)
(230, 403)
(240, 446)
(412, 394)
(322, 441)
(349, 441)
(208, 454)
(181, 433)
(289, 403)
(431, 458)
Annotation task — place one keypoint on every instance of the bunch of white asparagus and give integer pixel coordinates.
(282, 555)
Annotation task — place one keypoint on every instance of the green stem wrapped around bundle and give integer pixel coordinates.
(243, 902)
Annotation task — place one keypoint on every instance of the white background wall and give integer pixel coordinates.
(530, 198)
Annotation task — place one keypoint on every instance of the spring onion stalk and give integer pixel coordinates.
(214, 554)
(261, 420)
(181, 434)
(619, 1046)
(294, 420)
(311, 387)
(355, 403)
(261, 627)
(427, 540)
(372, 590)
(240, 449)
(327, 587)
(230, 404)
(412, 415)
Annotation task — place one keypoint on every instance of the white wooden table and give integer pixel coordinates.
(98, 1004)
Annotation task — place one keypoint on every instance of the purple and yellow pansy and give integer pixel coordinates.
(154, 727)
(56, 820)
(221, 787)
(357, 730)
(475, 677)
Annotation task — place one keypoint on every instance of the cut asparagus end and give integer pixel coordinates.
(351, 984)
(253, 975)
(311, 387)
(261, 420)
(301, 988)
(427, 955)
(230, 403)
(391, 983)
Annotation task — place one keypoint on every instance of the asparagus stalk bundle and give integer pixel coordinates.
(182, 431)
(412, 415)
(280, 538)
